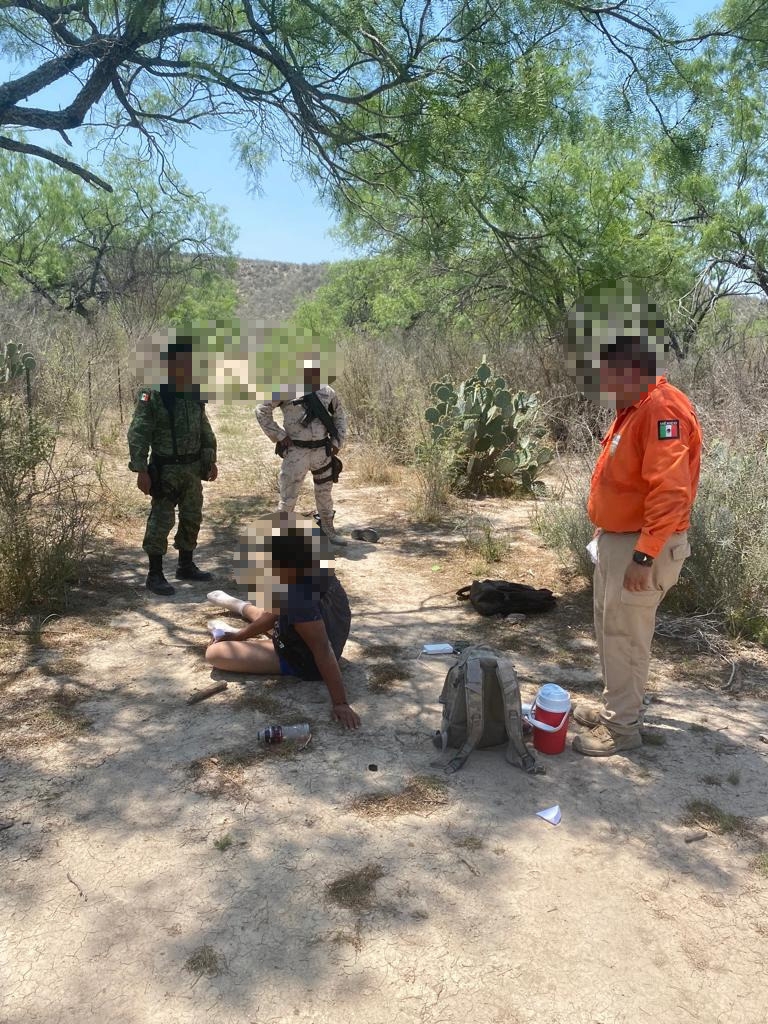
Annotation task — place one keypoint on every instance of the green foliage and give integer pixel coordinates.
(563, 525)
(151, 256)
(482, 539)
(45, 512)
(15, 362)
(433, 465)
(492, 434)
(727, 572)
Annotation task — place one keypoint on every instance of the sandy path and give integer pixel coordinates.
(482, 910)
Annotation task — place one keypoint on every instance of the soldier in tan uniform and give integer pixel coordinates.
(313, 432)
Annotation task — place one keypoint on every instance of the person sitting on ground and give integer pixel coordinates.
(304, 636)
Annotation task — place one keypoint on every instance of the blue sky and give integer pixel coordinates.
(286, 221)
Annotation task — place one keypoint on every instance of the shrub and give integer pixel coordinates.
(46, 516)
(563, 524)
(382, 394)
(480, 538)
(433, 467)
(376, 465)
(727, 572)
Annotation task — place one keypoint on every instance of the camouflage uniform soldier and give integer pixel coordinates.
(306, 444)
(172, 422)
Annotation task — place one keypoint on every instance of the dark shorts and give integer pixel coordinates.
(285, 668)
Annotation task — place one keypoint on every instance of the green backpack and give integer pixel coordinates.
(481, 708)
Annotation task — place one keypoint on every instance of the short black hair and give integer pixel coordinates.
(292, 551)
(180, 346)
(630, 349)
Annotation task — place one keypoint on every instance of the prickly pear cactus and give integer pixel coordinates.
(14, 362)
(493, 432)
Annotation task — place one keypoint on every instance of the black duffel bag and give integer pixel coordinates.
(499, 597)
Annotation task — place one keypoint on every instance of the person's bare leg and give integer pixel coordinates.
(255, 656)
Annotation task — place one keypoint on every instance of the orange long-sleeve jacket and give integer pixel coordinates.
(648, 471)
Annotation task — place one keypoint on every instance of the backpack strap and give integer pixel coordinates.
(463, 593)
(473, 692)
(517, 749)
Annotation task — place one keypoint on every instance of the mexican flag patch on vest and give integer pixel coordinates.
(669, 430)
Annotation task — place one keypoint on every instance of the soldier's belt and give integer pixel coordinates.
(175, 460)
(312, 444)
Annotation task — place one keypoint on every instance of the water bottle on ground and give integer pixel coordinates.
(280, 733)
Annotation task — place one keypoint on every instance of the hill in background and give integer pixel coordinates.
(269, 289)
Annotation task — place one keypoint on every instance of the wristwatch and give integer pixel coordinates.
(641, 558)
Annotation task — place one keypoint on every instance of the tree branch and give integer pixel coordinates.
(16, 146)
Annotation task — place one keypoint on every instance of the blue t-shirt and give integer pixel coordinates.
(319, 597)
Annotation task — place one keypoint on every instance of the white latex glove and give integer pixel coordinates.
(592, 550)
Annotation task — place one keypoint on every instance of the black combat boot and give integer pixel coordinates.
(187, 570)
(156, 582)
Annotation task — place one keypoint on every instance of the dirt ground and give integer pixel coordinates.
(162, 867)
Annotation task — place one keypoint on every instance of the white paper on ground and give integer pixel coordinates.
(592, 550)
(551, 814)
(437, 649)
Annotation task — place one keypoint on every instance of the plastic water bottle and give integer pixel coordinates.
(280, 733)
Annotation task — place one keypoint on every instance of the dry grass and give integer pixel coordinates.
(760, 864)
(705, 814)
(205, 961)
(61, 666)
(392, 651)
(373, 466)
(224, 773)
(483, 540)
(348, 938)
(40, 714)
(469, 843)
(355, 890)
(710, 780)
(422, 793)
(259, 701)
(382, 677)
(700, 633)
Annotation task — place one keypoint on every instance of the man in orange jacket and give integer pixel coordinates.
(640, 500)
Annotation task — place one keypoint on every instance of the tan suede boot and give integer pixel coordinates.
(605, 742)
(585, 715)
(326, 525)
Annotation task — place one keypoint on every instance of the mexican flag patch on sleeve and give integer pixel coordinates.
(145, 396)
(669, 430)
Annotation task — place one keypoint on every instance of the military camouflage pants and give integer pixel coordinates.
(295, 466)
(180, 486)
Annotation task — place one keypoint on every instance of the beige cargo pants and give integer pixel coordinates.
(625, 621)
(294, 467)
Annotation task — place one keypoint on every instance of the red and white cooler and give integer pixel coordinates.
(548, 717)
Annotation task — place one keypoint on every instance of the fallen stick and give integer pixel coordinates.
(199, 695)
(79, 889)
